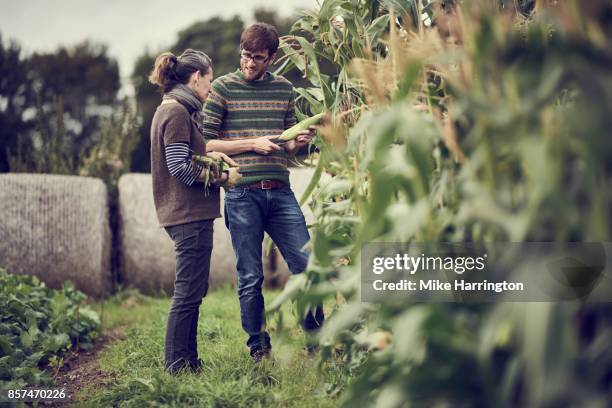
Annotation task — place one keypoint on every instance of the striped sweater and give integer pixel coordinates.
(237, 109)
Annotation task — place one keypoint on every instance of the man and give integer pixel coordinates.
(245, 110)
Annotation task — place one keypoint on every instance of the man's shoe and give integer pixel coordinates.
(260, 354)
(311, 350)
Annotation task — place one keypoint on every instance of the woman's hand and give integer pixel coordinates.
(222, 156)
(233, 176)
(228, 179)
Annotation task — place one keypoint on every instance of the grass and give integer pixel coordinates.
(230, 378)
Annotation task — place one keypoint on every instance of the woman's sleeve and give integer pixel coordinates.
(177, 137)
(180, 165)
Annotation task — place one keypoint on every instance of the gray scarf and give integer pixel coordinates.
(188, 98)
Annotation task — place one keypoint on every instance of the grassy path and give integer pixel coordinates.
(230, 379)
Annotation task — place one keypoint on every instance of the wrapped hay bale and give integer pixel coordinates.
(147, 252)
(56, 227)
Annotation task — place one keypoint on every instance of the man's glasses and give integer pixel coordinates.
(260, 59)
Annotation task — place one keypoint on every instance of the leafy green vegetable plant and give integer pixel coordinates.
(38, 325)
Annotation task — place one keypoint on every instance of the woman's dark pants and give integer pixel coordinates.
(193, 246)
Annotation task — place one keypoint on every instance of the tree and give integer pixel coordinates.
(216, 37)
(147, 99)
(14, 94)
(86, 79)
(46, 95)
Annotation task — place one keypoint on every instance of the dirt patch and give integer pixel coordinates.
(82, 369)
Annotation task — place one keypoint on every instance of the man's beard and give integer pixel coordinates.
(251, 75)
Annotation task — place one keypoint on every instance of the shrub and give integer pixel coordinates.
(37, 325)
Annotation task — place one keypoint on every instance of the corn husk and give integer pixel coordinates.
(293, 131)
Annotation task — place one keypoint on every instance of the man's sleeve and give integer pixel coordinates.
(290, 119)
(214, 110)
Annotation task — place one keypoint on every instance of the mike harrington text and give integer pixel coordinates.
(438, 285)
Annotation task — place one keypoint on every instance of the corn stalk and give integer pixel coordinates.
(485, 127)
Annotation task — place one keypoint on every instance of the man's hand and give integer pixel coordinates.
(222, 156)
(263, 145)
(302, 139)
(305, 136)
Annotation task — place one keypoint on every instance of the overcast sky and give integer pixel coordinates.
(128, 27)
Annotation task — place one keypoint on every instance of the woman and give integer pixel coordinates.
(185, 206)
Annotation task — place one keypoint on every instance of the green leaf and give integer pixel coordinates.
(346, 318)
(378, 27)
(5, 345)
(56, 342)
(408, 79)
(26, 340)
(60, 304)
(294, 285)
(90, 315)
(316, 176)
(408, 336)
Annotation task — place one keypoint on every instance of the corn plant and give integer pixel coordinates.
(488, 124)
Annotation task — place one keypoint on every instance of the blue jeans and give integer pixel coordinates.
(193, 247)
(248, 213)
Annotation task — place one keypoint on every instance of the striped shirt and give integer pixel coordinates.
(178, 159)
(237, 109)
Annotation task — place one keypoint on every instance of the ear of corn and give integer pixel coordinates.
(217, 166)
(213, 168)
(293, 131)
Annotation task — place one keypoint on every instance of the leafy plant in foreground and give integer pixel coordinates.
(38, 324)
(487, 127)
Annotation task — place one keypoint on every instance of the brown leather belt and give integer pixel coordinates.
(266, 185)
